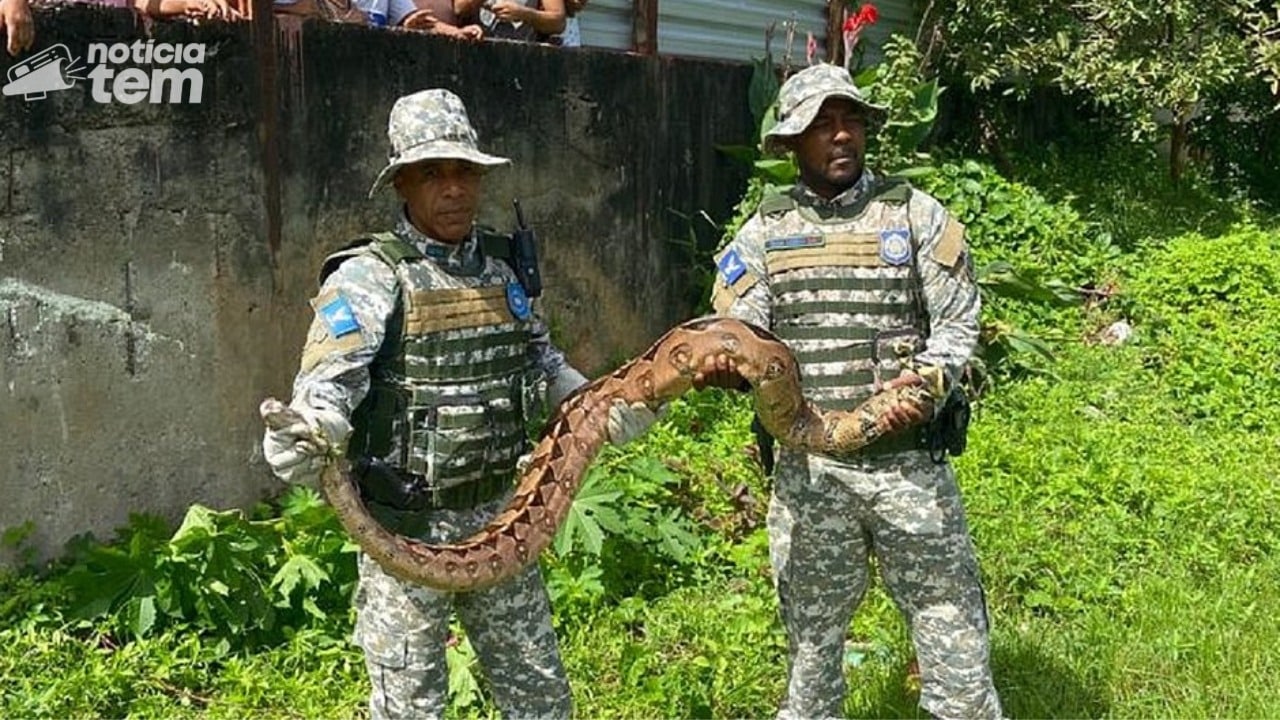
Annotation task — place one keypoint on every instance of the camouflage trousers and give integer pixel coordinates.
(826, 519)
(403, 628)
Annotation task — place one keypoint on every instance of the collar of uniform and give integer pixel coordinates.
(851, 195)
(450, 255)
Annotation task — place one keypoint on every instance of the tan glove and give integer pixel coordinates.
(914, 405)
(299, 441)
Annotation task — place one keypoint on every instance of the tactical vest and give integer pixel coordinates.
(447, 394)
(847, 295)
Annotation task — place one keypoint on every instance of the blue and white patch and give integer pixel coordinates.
(518, 301)
(339, 316)
(895, 246)
(731, 267)
(795, 242)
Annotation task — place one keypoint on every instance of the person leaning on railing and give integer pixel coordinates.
(18, 28)
(438, 17)
(529, 21)
(194, 9)
(191, 9)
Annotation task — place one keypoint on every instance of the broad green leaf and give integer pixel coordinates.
(1022, 342)
(588, 506)
(146, 618)
(763, 89)
(463, 687)
(298, 568)
(1003, 279)
(199, 522)
(777, 170)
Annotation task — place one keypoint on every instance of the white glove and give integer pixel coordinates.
(523, 462)
(299, 440)
(563, 384)
(628, 421)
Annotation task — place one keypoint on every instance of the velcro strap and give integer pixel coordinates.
(827, 282)
(857, 378)
(450, 309)
(797, 309)
(436, 369)
(788, 331)
(865, 351)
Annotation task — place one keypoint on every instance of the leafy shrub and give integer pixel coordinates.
(1011, 222)
(241, 581)
(1080, 485)
(1121, 189)
(899, 84)
(662, 511)
(1034, 258)
(1211, 310)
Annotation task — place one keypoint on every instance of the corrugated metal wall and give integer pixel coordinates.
(607, 23)
(734, 29)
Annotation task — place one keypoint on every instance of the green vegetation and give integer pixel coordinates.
(1153, 68)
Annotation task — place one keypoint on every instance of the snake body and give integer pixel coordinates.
(578, 429)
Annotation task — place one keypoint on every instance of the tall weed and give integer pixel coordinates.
(1210, 308)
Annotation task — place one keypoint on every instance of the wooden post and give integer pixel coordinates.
(835, 40)
(644, 31)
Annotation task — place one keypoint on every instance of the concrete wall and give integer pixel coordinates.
(156, 260)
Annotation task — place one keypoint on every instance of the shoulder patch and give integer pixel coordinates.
(950, 246)
(333, 308)
(731, 266)
(334, 331)
(733, 278)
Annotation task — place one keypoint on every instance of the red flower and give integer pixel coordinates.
(852, 27)
(866, 15)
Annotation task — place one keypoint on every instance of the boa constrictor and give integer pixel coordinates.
(576, 432)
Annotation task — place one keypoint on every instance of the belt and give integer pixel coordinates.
(910, 439)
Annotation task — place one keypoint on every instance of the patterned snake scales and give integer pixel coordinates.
(574, 435)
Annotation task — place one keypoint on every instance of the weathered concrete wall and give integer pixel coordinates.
(156, 260)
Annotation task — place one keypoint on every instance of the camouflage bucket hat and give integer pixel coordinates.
(430, 125)
(803, 94)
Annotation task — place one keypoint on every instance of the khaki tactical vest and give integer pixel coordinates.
(847, 295)
(448, 387)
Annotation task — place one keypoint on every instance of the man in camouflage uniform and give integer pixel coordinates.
(869, 283)
(424, 358)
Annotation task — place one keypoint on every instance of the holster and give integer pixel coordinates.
(764, 441)
(390, 486)
(947, 433)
